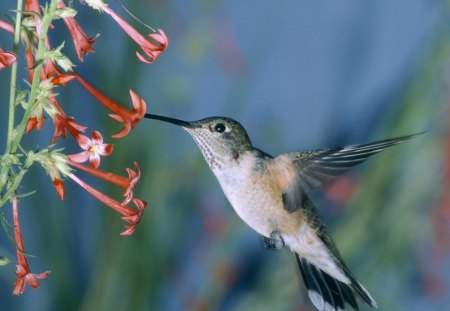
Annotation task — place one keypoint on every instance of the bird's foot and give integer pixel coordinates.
(275, 241)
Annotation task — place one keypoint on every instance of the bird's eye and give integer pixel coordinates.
(219, 128)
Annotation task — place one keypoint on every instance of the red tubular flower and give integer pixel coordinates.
(128, 183)
(83, 44)
(152, 48)
(128, 117)
(6, 58)
(6, 26)
(23, 272)
(130, 215)
(30, 63)
(63, 124)
(134, 219)
(93, 149)
(33, 122)
(32, 6)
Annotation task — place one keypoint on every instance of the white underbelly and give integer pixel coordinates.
(250, 201)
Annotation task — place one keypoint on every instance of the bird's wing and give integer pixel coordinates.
(308, 170)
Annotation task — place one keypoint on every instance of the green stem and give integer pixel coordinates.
(46, 21)
(12, 188)
(15, 136)
(12, 95)
(12, 89)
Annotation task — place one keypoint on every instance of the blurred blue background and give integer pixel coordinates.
(298, 75)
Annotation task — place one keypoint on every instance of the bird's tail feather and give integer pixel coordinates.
(329, 294)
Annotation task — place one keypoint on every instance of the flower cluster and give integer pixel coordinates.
(48, 68)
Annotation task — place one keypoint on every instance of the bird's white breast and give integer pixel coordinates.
(247, 193)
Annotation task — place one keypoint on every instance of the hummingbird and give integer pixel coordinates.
(270, 194)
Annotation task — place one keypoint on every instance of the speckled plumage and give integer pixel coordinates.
(270, 195)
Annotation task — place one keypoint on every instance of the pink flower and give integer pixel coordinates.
(152, 48)
(6, 58)
(93, 149)
(23, 272)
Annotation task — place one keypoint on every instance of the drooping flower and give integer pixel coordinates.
(6, 58)
(83, 44)
(128, 183)
(134, 220)
(152, 47)
(23, 272)
(130, 215)
(93, 149)
(129, 117)
(63, 124)
(34, 121)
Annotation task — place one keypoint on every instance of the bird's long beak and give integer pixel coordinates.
(182, 123)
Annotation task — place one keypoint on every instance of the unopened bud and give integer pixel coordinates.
(65, 12)
(58, 57)
(96, 4)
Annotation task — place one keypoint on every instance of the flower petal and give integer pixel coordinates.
(79, 157)
(6, 59)
(106, 149)
(19, 286)
(94, 160)
(83, 141)
(97, 137)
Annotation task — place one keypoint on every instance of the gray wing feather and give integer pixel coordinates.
(314, 168)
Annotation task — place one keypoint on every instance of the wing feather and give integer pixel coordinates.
(314, 168)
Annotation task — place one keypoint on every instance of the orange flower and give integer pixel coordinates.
(128, 117)
(23, 272)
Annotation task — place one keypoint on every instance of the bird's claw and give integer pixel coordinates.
(275, 241)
